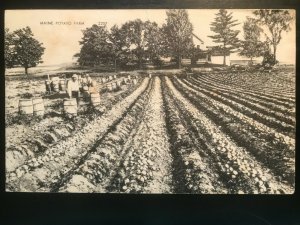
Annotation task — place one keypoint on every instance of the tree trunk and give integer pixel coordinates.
(224, 59)
(26, 70)
(179, 61)
(275, 48)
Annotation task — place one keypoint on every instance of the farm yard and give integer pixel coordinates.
(165, 132)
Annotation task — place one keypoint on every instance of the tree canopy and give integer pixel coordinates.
(22, 49)
(276, 21)
(177, 34)
(95, 48)
(252, 46)
(223, 27)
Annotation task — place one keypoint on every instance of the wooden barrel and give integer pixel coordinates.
(55, 84)
(38, 106)
(48, 85)
(109, 87)
(114, 86)
(62, 85)
(95, 99)
(25, 106)
(70, 106)
(85, 88)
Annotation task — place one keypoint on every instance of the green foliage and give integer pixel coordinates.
(177, 35)
(268, 59)
(134, 36)
(152, 36)
(119, 46)
(95, 48)
(8, 49)
(133, 43)
(252, 46)
(275, 21)
(21, 49)
(225, 35)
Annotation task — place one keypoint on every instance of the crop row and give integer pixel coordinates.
(261, 95)
(245, 110)
(51, 130)
(145, 168)
(210, 96)
(257, 84)
(98, 168)
(194, 169)
(62, 157)
(268, 148)
(280, 112)
(246, 174)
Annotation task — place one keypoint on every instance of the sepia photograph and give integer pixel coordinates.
(150, 101)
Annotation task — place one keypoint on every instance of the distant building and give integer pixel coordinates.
(212, 55)
(243, 62)
(216, 56)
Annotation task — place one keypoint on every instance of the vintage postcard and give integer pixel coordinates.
(167, 101)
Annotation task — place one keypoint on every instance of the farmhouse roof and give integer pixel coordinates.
(198, 38)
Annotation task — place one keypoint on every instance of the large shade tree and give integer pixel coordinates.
(252, 46)
(225, 34)
(177, 34)
(120, 48)
(22, 49)
(153, 44)
(95, 48)
(275, 21)
(134, 36)
(9, 49)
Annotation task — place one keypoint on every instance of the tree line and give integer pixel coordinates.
(137, 42)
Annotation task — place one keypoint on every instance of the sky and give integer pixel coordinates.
(61, 30)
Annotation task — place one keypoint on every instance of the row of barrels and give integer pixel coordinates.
(104, 80)
(114, 85)
(55, 85)
(36, 106)
(107, 79)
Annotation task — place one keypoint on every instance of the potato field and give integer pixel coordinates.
(200, 133)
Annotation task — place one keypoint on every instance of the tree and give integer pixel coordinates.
(119, 46)
(134, 35)
(223, 25)
(252, 46)
(8, 49)
(276, 21)
(153, 45)
(23, 50)
(95, 47)
(177, 34)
